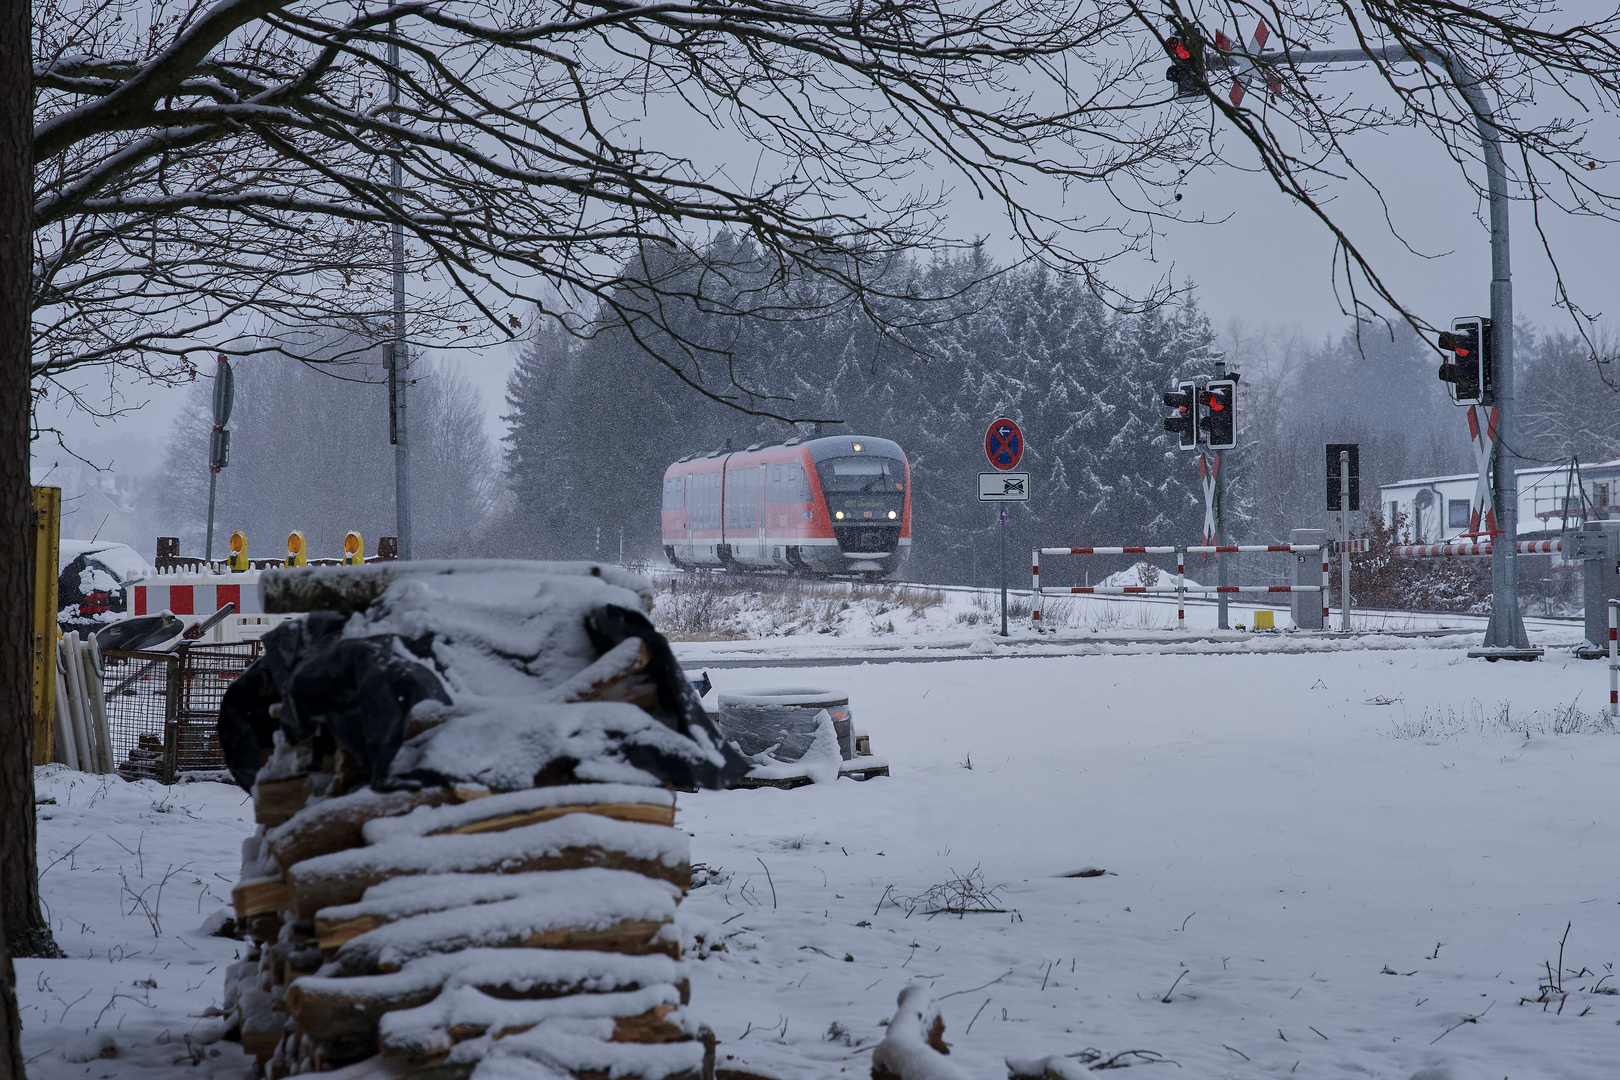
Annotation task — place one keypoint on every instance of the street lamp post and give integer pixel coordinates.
(399, 354)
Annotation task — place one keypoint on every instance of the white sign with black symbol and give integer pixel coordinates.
(1004, 487)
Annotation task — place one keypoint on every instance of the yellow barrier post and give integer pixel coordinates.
(354, 549)
(295, 549)
(47, 539)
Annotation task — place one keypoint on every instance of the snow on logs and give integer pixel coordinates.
(464, 776)
(914, 1047)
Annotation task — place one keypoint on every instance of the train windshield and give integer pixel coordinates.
(863, 487)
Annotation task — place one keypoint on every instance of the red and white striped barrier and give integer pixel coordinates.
(1523, 547)
(193, 596)
(1193, 549)
(197, 597)
(1121, 590)
(1181, 588)
(1614, 658)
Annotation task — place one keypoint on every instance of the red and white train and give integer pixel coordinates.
(833, 505)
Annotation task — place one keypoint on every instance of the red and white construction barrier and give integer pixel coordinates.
(1181, 588)
(194, 595)
(1523, 547)
(198, 597)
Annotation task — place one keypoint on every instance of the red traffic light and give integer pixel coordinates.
(1466, 360)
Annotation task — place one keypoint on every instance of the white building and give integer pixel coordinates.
(1550, 501)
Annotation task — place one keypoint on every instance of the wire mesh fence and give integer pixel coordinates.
(163, 708)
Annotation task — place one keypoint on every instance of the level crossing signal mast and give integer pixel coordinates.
(1185, 422)
(1217, 413)
(1465, 366)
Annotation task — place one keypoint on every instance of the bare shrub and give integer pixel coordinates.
(1446, 722)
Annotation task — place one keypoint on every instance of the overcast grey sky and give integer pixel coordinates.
(1267, 262)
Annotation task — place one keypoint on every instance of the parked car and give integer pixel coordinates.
(91, 583)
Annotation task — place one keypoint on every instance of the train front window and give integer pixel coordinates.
(864, 488)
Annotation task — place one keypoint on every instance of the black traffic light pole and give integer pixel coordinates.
(1505, 632)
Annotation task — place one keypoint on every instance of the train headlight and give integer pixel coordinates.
(857, 448)
(839, 515)
(893, 515)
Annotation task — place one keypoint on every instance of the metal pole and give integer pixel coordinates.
(1506, 628)
(1001, 543)
(399, 368)
(1344, 540)
(208, 544)
(1220, 527)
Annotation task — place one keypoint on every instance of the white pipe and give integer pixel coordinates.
(76, 694)
(64, 724)
(98, 702)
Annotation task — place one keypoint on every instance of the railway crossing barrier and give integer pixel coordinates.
(1523, 547)
(1614, 658)
(1182, 587)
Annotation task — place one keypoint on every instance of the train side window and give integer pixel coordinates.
(780, 488)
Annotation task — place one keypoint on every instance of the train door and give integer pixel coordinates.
(686, 518)
(762, 512)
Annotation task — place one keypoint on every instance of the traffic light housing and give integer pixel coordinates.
(1185, 422)
(1217, 413)
(1186, 67)
(1465, 365)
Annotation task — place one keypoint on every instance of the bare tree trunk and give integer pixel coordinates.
(11, 1059)
(27, 933)
(16, 720)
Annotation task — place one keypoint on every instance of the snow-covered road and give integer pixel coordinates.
(1278, 831)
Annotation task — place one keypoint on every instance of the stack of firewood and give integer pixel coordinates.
(515, 912)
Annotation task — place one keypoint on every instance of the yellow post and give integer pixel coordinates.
(47, 538)
(354, 549)
(239, 557)
(295, 549)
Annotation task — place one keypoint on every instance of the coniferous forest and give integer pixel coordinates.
(594, 423)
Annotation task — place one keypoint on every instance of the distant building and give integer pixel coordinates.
(96, 503)
(1551, 499)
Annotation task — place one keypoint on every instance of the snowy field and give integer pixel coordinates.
(1356, 864)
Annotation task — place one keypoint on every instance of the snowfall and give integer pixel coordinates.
(1240, 855)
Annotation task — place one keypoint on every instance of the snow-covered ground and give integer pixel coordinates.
(719, 620)
(1356, 863)
(134, 876)
(1279, 832)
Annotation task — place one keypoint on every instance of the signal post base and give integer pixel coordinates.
(1494, 654)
